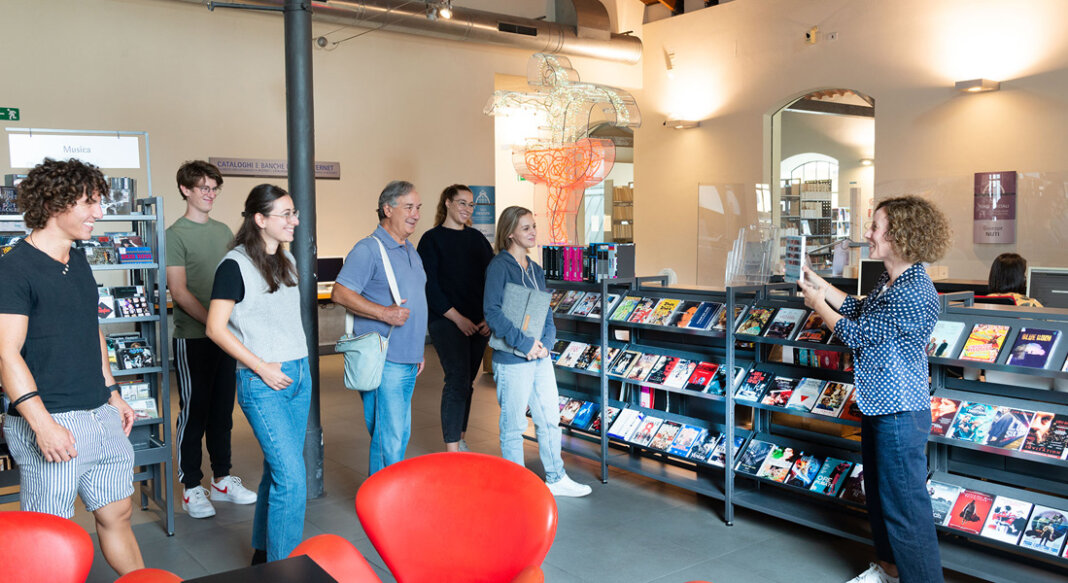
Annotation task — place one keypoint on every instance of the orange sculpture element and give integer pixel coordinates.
(567, 171)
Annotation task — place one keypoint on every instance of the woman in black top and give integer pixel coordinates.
(455, 257)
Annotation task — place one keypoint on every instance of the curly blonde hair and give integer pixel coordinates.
(917, 228)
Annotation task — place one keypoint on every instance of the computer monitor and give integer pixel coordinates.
(327, 268)
(1048, 285)
(868, 274)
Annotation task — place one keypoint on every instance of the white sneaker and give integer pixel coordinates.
(569, 488)
(874, 574)
(463, 446)
(230, 489)
(196, 504)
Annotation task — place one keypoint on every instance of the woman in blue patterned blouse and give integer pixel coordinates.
(887, 332)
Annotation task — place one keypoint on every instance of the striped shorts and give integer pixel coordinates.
(101, 473)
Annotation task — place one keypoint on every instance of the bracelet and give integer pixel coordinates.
(23, 398)
(114, 387)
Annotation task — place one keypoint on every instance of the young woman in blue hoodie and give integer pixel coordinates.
(530, 380)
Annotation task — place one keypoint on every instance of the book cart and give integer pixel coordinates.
(151, 438)
(1023, 476)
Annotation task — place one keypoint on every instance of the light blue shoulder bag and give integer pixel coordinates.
(365, 354)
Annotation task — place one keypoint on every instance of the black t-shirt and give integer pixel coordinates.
(228, 285)
(455, 262)
(62, 347)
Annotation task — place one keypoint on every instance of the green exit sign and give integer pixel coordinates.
(9, 113)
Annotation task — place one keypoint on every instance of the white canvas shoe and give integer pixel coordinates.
(230, 489)
(874, 574)
(196, 504)
(568, 488)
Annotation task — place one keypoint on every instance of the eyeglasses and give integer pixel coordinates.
(205, 189)
(288, 216)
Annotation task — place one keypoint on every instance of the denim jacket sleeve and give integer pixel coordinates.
(496, 278)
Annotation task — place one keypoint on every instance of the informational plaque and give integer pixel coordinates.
(995, 208)
(269, 168)
(484, 216)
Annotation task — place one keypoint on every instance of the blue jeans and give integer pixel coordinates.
(893, 449)
(533, 384)
(279, 419)
(387, 411)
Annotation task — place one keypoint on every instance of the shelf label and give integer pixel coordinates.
(9, 113)
(267, 168)
(105, 150)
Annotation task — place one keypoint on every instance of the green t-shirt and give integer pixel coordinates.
(198, 248)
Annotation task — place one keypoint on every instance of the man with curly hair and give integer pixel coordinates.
(66, 426)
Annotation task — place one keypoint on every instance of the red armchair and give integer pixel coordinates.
(149, 575)
(458, 517)
(43, 547)
(337, 557)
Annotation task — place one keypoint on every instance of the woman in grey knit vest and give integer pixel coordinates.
(254, 316)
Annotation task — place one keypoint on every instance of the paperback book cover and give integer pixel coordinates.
(778, 462)
(944, 338)
(704, 447)
(687, 436)
(720, 319)
(943, 412)
(144, 408)
(970, 510)
(753, 457)
(599, 305)
(832, 476)
(594, 365)
(973, 422)
(684, 314)
(642, 310)
(804, 471)
(719, 381)
(622, 364)
(568, 302)
(755, 322)
(705, 315)
(1009, 429)
(643, 367)
(561, 401)
(1048, 435)
(814, 330)
(680, 373)
(984, 343)
(569, 357)
(665, 436)
(595, 426)
(554, 299)
(586, 359)
(626, 423)
(1033, 347)
(1045, 530)
(598, 361)
(558, 348)
(852, 409)
(853, 489)
(779, 391)
(753, 387)
(135, 355)
(585, 415)
(584, 306)
(1007, 520)
(701, 376)
(646, 430)
(943, 497)
(624, 308)
(663, 368)
(105, 307)
(134, 390)
(794, 257)
(567, 414)
(719, 454)
(785, 323)
(661, 314)
(833, 399)
(805, 394)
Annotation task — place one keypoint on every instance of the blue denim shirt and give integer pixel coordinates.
(365, 274)
(888, 331)
(505, 269)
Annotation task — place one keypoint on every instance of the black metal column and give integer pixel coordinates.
(300, 123)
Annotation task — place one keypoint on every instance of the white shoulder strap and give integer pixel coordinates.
(390, 277)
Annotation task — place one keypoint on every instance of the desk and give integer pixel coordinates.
(299, 569)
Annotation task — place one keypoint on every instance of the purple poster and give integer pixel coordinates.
(995, 208)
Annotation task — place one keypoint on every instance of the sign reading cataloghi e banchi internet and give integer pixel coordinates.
(265, 168)
(994, 218)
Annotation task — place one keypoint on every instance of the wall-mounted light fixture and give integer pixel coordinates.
(681, 124)
(866, 161)
(977, 86)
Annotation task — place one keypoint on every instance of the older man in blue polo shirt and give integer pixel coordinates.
(362, 288)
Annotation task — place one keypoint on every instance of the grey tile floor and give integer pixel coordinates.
(631, 530)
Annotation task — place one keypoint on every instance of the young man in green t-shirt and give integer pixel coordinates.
(206, 375)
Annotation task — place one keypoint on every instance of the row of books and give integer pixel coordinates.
(593, 263)
(579, 303)
(1036, 432)
(682, 440)
(818, 396)
(1012, 521)
(789, 465)
(116, 248)
(127, 301)
(138, 395)
(129, 351)
(1032, 348)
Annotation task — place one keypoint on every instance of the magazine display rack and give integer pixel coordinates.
(1015, 474)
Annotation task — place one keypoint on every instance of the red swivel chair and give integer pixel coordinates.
(338, 558)
(458, 517)
(149, 576)
(43, 547)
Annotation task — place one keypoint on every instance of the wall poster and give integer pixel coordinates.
(484, 217)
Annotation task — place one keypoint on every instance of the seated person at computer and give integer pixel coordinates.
(1008, 279)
